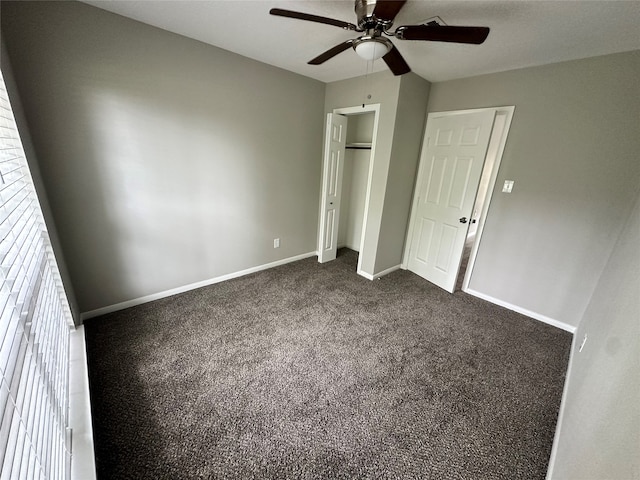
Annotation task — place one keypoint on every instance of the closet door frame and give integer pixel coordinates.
(358, 110)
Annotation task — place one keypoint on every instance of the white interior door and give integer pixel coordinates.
(453, 154)
(335, 141)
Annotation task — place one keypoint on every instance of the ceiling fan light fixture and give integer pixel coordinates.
(372, 48)
(375, 18)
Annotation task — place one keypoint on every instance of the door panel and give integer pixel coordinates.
(445, 248)
(453, 154)
(424, 240)
(329, 231)
(460, 182)
(335, 142)
(333, 176)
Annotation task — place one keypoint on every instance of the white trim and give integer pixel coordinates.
(192, 286)
(505, 110)
(387, 271)
(508, 112)
(366, 275)
(375, 108)
(379, 274)
(450, 113)
(524, 311)
(563, 403)
(83, 465)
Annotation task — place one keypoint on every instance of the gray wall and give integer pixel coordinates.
(403, 102)
(407, 142)
(384, 89)
(166, 161)
(599, 431)
(573, 154)
(355, 180)
(169, 162)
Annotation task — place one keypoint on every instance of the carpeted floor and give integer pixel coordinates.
(309, 371)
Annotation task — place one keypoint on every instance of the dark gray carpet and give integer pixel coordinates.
(310, 371)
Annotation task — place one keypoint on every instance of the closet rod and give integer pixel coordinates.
(359, 146)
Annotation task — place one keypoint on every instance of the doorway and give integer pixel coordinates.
(357, 159)
(483, 197)
(459, 163)
(346, 185)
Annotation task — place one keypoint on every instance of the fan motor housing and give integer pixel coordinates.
(364, 12)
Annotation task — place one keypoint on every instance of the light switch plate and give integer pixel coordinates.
(508, 186)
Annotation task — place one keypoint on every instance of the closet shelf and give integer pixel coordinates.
(359, 145)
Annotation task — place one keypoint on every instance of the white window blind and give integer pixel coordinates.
(35, 322)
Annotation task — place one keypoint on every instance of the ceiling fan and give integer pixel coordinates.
(375, 18)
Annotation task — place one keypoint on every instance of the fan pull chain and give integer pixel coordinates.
(367, 81)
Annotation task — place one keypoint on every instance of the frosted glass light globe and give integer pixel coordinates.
(372, 49)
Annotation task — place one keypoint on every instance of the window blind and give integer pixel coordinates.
(35, 322)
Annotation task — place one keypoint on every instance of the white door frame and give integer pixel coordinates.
(497, 144)
(347, 111)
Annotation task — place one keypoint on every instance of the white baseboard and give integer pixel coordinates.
(368, 276)
(524, 311)
(387, 271)
(563, 402)
(192, 286)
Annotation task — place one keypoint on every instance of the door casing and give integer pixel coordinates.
(496, 147)
(347, 111)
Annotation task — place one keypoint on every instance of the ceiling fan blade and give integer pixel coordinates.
(388, 9)
(332, 52)
(443, 33)
(395, 62)
(312, 18)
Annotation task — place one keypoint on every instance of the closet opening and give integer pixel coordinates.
(355, 180)
(349, 153)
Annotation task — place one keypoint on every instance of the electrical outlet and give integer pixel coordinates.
(584, 340)
(276, 243)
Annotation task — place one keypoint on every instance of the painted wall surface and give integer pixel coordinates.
(407, 141)
(347, 178)
(360, 128)
(384, 89)
(598, 434)
(354, 193)
(573, 154)
(355, 180)
(166, 161)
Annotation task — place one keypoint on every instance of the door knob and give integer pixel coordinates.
(463, 220)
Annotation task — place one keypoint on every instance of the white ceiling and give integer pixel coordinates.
(523, 32)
